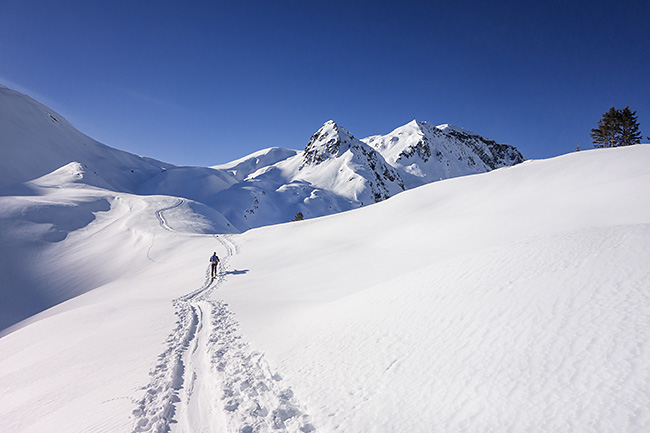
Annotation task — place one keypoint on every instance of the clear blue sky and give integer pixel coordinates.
(205, 82)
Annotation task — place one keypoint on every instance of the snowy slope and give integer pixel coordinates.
(241, 168)
(510, 301)
(35, 141)
(40, 268)
(514, 300)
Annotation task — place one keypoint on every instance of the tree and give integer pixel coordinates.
(629, 127)
(299, 217)
(604, 135)
(617, 128)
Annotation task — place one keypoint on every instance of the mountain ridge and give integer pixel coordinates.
(427, 153)
(334, 172)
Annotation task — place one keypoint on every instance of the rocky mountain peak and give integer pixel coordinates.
(423, 152)
(331, 140)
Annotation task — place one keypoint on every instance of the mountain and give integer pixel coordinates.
(335, 171)
(36, 140)
(426, 153)
(358, 171)
(45, 156)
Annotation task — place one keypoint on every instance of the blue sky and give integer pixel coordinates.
(202, 83)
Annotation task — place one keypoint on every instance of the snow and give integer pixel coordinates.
(425, 153)
(36, 141)
(244, 167)
(512, 300)
(335, 173)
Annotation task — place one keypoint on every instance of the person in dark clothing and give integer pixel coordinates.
(214, 261)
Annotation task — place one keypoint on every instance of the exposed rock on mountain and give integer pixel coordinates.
(425, 153)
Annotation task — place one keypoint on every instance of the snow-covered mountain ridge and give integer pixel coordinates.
(333, 142)
(335, 172)
(428, 153)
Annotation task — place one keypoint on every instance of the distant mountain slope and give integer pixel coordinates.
(334, 158)
(241, 168)
(335, 172)
(35, 141)
(427, 153)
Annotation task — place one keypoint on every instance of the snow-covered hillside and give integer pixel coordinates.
(334, 173)
(337, 172)
(35, 140)
(509, 301)
(512, 300)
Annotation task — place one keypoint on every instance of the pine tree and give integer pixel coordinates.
(605, 134)
(629, 128)
(617, 128)
(299, 217)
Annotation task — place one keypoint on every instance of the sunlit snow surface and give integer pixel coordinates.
(515, 300)
(510, 301)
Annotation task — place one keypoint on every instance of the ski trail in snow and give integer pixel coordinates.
(208, 378)
(153, 241)
(163, 223)
(161, 217)
(254, 398)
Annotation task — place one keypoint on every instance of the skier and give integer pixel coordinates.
(214, 261)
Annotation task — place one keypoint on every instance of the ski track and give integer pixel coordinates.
(208, 378)
(161, 217)
(163, 223)
(153, 241)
